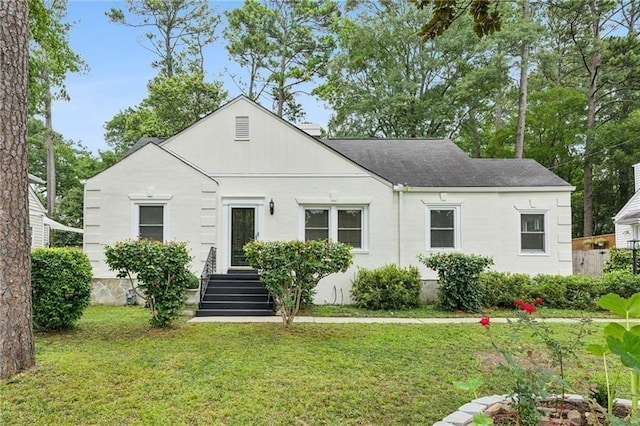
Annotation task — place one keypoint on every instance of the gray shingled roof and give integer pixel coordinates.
(440, 163)
(142, 142)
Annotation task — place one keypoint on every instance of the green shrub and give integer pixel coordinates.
(623, 283)
(193, 281)
(551, 288)
(161, 271)
(582, 291)
(459, 283)
(619, 259)
(502, 289)
(388, 287)
(291, 270)
(61, 287)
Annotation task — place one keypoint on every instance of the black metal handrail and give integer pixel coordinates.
(208, 270)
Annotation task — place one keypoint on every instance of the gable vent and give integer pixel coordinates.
(242, 128)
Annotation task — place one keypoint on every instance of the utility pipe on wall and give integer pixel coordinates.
(399, 189)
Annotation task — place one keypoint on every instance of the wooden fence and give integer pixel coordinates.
(589, 262)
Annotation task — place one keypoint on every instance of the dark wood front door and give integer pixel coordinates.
(243, 230)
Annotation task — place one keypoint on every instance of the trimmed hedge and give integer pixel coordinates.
(388, 287)
(501, 289)
(61, 287)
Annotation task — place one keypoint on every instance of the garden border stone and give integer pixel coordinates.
(464, 415)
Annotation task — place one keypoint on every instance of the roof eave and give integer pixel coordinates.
(409, 188)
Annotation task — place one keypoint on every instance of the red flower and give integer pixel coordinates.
(539, 300)
(519, 303)
(485, 321)
(528, 307)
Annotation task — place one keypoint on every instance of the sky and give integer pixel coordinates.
(119, 69)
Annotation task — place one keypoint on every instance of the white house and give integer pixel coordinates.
(37, 213)
(627, 221)
(40, 225)
(243, 173)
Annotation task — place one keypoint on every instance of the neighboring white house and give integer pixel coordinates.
(627, 221)
(40, 225)
(242, 173)
(37, 213)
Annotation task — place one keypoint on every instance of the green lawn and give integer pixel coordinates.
(113, 369)
(430, 311)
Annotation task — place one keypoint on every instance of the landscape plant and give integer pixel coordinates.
(622, 340)
(530, 378)
(161, 270)
(459, 279)
(619, 259)
(292, 269)
(61, 287)
(388, 287)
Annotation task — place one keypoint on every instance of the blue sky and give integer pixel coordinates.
(119, 69)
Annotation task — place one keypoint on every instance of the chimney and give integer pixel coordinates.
(314, 129)
(636, 175)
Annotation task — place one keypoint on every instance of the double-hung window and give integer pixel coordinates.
(337, 223)
(443, 227)
(151, 222)
(532, 233)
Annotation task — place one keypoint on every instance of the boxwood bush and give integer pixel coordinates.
(623, 283)
(501, 289)
(61, 287)
(388, 287)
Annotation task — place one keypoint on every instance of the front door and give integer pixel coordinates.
(243, 230)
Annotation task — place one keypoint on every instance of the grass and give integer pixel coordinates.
(114, 369)
(429, 311)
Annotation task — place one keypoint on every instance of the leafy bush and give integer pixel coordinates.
(582, 291)
(500, 289)
(193, 282)
(291, 270)
(61, 287)
(619, 259)
(459, 279)
(161, 271)
(551, 288)
(622, 283)
(388, 287)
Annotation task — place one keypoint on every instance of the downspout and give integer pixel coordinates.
(399, 189)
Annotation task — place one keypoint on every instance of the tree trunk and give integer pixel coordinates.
(16, 332)
(522, 98)
(51, 162)
(591, 127)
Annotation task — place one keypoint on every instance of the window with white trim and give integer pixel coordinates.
(443, 227)
(337, 223)
(151, 222)
(532, 233)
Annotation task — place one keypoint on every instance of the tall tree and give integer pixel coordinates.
(16, 331)
(176, 31)
(284, 44)
(522, 91)
(51, 59)
(385, 82)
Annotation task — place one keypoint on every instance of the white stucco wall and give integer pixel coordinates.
(490, 226)
(150, 176)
